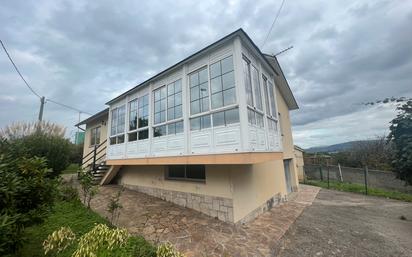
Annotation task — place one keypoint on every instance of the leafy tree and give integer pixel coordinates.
(401, 137)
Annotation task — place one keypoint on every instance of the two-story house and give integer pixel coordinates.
(211, 132)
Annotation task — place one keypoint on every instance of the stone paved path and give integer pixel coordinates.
(196, 234)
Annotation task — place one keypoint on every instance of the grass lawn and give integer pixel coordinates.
(72, 168)
(359, 188)
(80, 220)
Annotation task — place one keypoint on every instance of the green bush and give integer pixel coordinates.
(26, 194)
(68, 193)
(76, 153)
(54, 148)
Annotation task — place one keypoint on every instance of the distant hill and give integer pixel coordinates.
(331, 148)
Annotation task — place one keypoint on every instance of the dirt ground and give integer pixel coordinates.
(347, 224)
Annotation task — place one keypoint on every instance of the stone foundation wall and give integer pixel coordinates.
(219, 207)
(269, 204)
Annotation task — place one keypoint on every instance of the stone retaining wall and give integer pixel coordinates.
(219, 207)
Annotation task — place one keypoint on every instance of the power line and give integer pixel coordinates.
(15, 67)
(273, 23)
(34, 92)
(67, 106)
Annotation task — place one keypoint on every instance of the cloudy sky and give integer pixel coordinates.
(85, 53)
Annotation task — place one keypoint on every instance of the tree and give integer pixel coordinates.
(401, 137)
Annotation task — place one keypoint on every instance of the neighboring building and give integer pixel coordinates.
(299, 163)
(79, 138)
(211, 133)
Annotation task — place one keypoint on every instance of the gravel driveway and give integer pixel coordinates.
(346, 224)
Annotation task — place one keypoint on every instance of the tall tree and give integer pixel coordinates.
(401, 137)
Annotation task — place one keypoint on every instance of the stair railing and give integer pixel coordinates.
(94, 156)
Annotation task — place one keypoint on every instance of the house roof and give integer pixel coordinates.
(286, 92)
(94, 117)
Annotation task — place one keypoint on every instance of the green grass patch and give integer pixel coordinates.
(80, 220)
(359, 188)
(72, 168)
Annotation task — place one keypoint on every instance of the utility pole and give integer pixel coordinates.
(42, 100)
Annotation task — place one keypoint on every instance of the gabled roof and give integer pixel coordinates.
(96, 116)
(282, 83)
(286, 92)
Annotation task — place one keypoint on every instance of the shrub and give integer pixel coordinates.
(167, 250)
(68, 193)
(58, 240)
(26, 194)
(88, 189)
(76, 153)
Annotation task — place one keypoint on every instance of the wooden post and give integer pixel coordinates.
(340, 173)
(366, 179)
(321, 173)
(328, 175)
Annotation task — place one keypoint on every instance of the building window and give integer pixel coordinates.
(226, 117)
(266, 93)
(95, 136)
(133, 115)
(256, 88)
(222, 83)
(117, 125)
(199, 123)
(175, 128)
(160, 101)
(174, 100)
(143, 105)
(255, 118)
(199, 91)
(272, 98)
(248, 82)
(272, 124)
(143, 134)
(186, 172)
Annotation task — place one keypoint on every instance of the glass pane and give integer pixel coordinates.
(178, 86)
(162, 105)
(157, 118)
(170, 101)
(217, 100)
(229, 96)
(145, 99)
(157, 95)
(176, 171)
(133, 120)
(195, 124)
(195, 172)
(266, 93)
(259, 120)
(178, 111)
(251, 117)
(272, 98)
(204, 90)
(215, 70)
(171, 129)
(232, 116)
(194, 79)
(120, 139)
(159, 131)
(113, 140)
(203, 76)
(163, 116)
(194, 93)
(143, 122)
(171, 114)
(228, 80)
(178, 98)
(171, 89)
(157, 106)
(205, 121)
(256, 87)
(216, 85)
(218, 119)
(227, 64)
(179, 127)
(205, 104)
(144, 134)
(195, 107)
(248, 85)
(132, 137)
(163, 92)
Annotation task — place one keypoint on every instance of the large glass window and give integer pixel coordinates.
(248, 82)
(95, 136)
(186, 172)
(133, 115)
(256, 88)
(169, 129)
(199, 91)
(222, 83)
(143, 105)
(117, 125)
(160, 96)
(266, 93)
(174, 100)
(272, 98)
(226, 117)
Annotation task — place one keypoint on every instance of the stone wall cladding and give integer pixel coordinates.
(219, 207)
(269, 204)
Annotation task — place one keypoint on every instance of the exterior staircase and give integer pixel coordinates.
(94, 163)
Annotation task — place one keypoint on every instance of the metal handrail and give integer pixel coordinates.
(97, 150)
